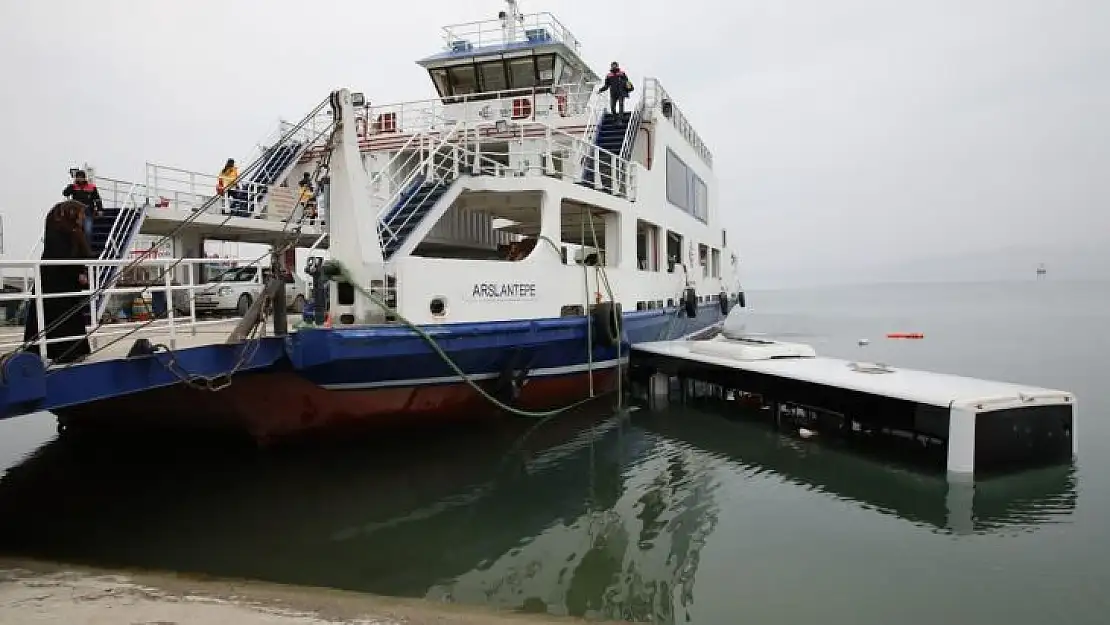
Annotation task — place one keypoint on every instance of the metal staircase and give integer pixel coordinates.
(113, 232)
(597, 168)
(615, 134)
(410, 210)
(433, 171)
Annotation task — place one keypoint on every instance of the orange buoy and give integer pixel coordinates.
(905, 335)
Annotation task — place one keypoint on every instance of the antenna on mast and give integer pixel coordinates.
(510, 20)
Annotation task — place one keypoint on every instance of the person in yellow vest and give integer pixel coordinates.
(308, 197)
(228, 175)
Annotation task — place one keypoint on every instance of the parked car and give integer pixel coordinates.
(236, 289)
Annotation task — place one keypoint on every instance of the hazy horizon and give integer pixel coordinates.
(849, 137)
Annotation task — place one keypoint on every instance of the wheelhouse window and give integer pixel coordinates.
(545, 70)
(493, 76)
(463, 80)
(522, 73)
(439, 77)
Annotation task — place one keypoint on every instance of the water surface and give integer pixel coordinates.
(675, 516)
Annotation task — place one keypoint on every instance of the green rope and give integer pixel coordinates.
(341, 271)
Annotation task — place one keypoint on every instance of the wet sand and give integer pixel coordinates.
(37, 592)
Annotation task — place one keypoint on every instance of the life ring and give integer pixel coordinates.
(607, 324)
(561, 100)
(722, 298)
(690, 303)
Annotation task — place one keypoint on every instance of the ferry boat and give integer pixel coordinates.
(509, 233)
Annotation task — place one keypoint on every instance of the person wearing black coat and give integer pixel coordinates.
(63, 239)
(618, 85)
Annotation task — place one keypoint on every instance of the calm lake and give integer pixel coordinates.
(677, 516)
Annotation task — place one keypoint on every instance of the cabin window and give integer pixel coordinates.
(493, 76)
(522, 73)
(463, 80)
(439, 77)
(674, 250)
(676, 181)
(647, 246)
(685, 189)
(715, 262)
(724, 237)
(545, 70)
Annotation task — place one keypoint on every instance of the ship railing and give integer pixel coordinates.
(180, 189)
(114, 192)
(543, 103)
(594, 114)
(532, 29)
(437, 162)
(120, 238)
(386, 184)
(655, 96)
(145, 282)
(555, 154)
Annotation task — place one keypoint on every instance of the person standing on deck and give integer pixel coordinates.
(226, 184)
(64, 317)
(308, 197)
(618, 85)
(85, 192)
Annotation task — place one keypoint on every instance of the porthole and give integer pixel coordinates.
(438, 307)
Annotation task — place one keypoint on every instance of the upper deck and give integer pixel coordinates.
(529, 31)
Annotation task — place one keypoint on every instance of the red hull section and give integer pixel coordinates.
(271, 406)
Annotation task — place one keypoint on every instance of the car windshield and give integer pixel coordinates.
(239, 274)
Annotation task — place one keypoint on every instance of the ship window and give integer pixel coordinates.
(463, 80)
(677, 181)
(493, 76)
(545, 70)
(685, 189)
(522, 73)
(439, 77)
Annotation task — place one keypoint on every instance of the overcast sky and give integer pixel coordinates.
(847, 134)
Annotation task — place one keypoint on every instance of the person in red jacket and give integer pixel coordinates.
(618, 85)
(85, 192)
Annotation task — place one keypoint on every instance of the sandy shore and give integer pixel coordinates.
(36, 592)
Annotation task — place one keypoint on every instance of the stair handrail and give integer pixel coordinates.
(420, 170)
(594, 113)
(114, 233)
(124, 229)
(399, 160)
(633, 128)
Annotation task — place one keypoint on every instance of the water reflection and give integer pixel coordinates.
(605, 521)
(1016, 502)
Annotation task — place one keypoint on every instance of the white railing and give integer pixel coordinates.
(429, 168)
(179, 297)
(124, 228)
(460, 151)
(655, 96)
(633, 128)
(432, 115)
(406, 160)
(114, 192)
(533, 28)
